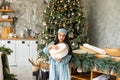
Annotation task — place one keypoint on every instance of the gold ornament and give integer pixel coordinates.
(46, 37)
(73, 44)
(48, 6)
(59, 17)
(63, 24)
(46, 28)
(58, 2)
(54, 9)
(43, 41)
(71, 35)
(44, 23)
(70, 7)
(59, 25)
(68, 0)
(72, 14)
(51, 14)
(68, 15)
(73, 3)
(43, 32)
(53, 17)
(65, 6)
(61, 1)
(59, 8)
(79, 14)
(45, 11)
(53, 3)
(55, 22)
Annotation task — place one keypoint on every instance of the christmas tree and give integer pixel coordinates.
(64, 13)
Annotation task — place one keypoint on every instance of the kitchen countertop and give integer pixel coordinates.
(28, 38)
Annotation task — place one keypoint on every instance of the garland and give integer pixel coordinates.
(89, 62)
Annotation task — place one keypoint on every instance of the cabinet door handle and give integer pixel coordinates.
(8, 42)
(23, 42)
(36, 42)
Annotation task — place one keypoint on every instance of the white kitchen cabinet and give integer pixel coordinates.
(10, 44)
(23, 51)
(33, 49)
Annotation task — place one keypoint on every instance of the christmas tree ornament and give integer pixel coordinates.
(68, 15)
(44, 23)
(73, 3)
(53, 3)
(46, 37)
(65, 6)
(43, 32)
(61, 1)
(63, 24)
(78, 2)
(71, 9)
(72, 14)
(45, 11)
(79, 14)
(59, 8)
(68, 0)
(55, 22)
(58, 16)
(53, 17)
(71, 35)
(73, 44)
(53, 9)
(57, 2)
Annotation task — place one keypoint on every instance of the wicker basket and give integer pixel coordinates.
(35, 68)
(44, 65)
(113, 51)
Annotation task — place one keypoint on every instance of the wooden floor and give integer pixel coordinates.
(23, 72)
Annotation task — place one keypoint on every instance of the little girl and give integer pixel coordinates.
(59, 67)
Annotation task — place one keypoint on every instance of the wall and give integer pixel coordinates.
(29, 14)
(104, 23)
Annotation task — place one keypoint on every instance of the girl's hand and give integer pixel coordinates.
(53, 47)
(58, 59)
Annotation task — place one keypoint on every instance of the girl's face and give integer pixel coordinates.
(61, 36)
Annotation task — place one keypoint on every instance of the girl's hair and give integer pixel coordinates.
(66, 40)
